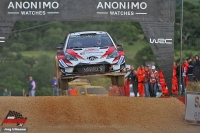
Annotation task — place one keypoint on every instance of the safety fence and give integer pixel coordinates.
(192, 108)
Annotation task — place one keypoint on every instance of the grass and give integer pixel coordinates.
(36, 54)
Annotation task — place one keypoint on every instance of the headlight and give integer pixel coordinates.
(113, 54)
(70, 57)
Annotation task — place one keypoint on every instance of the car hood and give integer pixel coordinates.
(92, 51)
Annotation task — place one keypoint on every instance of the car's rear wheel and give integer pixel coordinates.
(63, 85)
(118, 80)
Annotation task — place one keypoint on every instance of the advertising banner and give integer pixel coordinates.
(161, 39)
(87, 10)
(193, 107)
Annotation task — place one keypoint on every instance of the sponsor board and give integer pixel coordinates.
(193, 107)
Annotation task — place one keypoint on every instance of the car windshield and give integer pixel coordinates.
(85, 41)
(96, 91)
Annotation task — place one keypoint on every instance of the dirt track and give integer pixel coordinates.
(99, 114)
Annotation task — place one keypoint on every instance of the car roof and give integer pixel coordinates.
(88, 32)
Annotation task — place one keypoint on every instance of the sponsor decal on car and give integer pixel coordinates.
(93, 69)
(91, 49)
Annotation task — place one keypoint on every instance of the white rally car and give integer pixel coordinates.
(89, 52)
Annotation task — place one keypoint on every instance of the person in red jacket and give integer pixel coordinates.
(163, 83)
(153, 75)
(146, 82)
(141, 74)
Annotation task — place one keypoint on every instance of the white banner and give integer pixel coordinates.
(193, 107)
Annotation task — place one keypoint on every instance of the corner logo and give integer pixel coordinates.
(14, 117)
(160, 41)
(32, 8)
(122, 8)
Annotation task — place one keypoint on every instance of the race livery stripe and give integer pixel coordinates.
(110, 50)
(70, 51)
(120, 60)
(63, 63)
(116, 59)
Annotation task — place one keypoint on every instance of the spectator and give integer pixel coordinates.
(55, 86)
(174, 81)
(146, 82)
(197, 68)
(32, 86)
(114, 91)
(5, 93)
(190, 69)
(140, 75)
(153, 75)
(26, 94)
(178, 77)
(73, 91)
(133, 80)
(185, 76)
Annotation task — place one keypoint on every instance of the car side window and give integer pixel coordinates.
(82, 91)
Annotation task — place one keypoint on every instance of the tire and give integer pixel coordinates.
(63, 85)
(114, 80)
(120, 81)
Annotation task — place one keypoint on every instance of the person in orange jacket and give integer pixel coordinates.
(114, 91)
(163, 83)
(174, 86)
(73, 91)
(174, 81)
(141, 74)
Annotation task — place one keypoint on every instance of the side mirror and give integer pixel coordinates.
(60, 46)
(120, 47)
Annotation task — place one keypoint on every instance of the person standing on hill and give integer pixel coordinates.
(146, 82)
(32, 87)
(133, 80)
(55, 86)
(73, 91)
(153, 75)
(190, 69)
(5, 93)
(197, 68)
(141, 74)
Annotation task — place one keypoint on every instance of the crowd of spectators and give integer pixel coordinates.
(148, 82)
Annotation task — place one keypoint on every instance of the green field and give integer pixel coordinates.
(36, 54)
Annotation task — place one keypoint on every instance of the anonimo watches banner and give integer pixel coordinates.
(104, 10)
(155, 16)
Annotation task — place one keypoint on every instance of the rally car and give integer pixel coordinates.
(89, 53)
